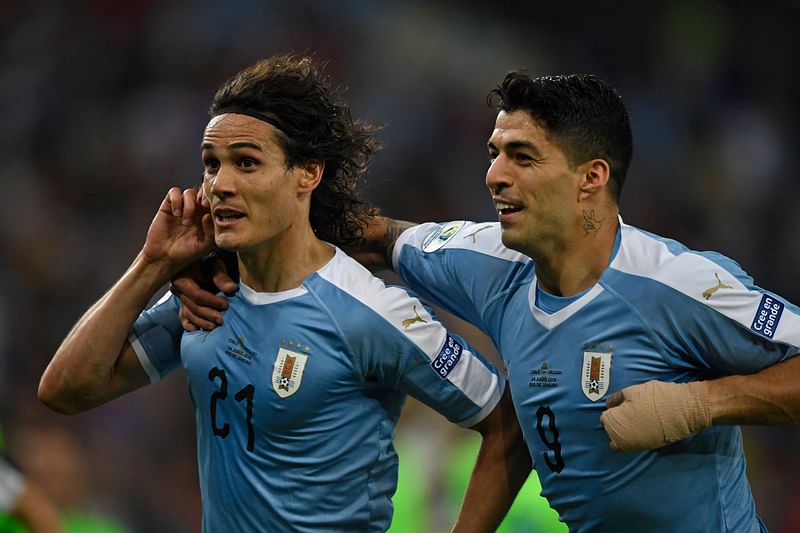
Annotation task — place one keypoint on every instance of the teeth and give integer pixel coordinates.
(228, 215)
(500, 206)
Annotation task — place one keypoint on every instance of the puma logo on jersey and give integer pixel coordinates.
(708, 293)
(476, 232)
(416, 318)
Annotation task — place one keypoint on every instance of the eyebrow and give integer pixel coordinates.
(239, 145)
(514, 145)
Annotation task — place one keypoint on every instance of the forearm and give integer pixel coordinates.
(502, 466)
(768, 397)
(81, 373)
(380, 236)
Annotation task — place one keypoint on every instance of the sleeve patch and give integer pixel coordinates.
(439, 236)
(448, 357)
(767, 316)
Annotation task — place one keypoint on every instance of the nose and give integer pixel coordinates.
(222, 182)
(497, 176)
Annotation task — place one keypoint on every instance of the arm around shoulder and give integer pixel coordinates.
(380, 235)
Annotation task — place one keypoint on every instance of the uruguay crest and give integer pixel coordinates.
(287, 374)
(596, 374)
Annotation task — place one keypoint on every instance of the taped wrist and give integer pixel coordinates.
(682, 409)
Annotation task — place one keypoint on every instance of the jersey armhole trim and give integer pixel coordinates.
(144, 360)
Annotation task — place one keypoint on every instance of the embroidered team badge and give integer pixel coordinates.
(287, 374)
(439, 236)
(596, 374)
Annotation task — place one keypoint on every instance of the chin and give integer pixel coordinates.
(507, 237)
(227, 244)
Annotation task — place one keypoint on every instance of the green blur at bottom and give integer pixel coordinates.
(415, 502)
(73, 523)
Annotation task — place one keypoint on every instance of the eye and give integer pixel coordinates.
(522, 158)
(247, 162)
(210, 163)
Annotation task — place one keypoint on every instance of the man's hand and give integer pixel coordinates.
(181, 232)
(654, 414)
(201, 309)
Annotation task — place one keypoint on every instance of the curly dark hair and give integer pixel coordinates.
(314, 124)
(583, 115)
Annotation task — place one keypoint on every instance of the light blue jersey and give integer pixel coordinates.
(297, 396)
(659, 311)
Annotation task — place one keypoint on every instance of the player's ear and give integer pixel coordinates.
(310, 174)
(593, 177)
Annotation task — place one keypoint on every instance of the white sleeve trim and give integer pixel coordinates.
(495, 392)
(144, 360)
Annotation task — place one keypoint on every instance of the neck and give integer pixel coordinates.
(284, 262)
(576, 263)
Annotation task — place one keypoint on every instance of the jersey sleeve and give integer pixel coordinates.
(460, 266)
(709, 314)
(394, 340)
(428, 362)
(156, 337)
(11, 486)
(741, 328)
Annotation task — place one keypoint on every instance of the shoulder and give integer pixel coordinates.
(367, 311)
(345, 280)
(481, 237)
(673, 264)
(667, 278)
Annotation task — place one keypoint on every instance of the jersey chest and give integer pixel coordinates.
(281, 367)
(561, 371)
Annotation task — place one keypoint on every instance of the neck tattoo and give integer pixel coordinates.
(591, 224)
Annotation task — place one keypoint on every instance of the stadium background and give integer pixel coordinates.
(103, 107)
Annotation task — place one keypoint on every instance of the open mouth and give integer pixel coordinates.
(506, 209)
(225, 215)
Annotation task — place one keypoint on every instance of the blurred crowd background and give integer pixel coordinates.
(104, 103)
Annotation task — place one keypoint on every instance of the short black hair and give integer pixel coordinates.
(314, 124)
(583, 115)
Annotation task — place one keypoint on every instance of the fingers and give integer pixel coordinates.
(615, 399)
(202, 199)
(221, 278)
(610, 424)
(202, 303)
(184, 205)
(174, 202)
(193, 322)
(189, 198)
